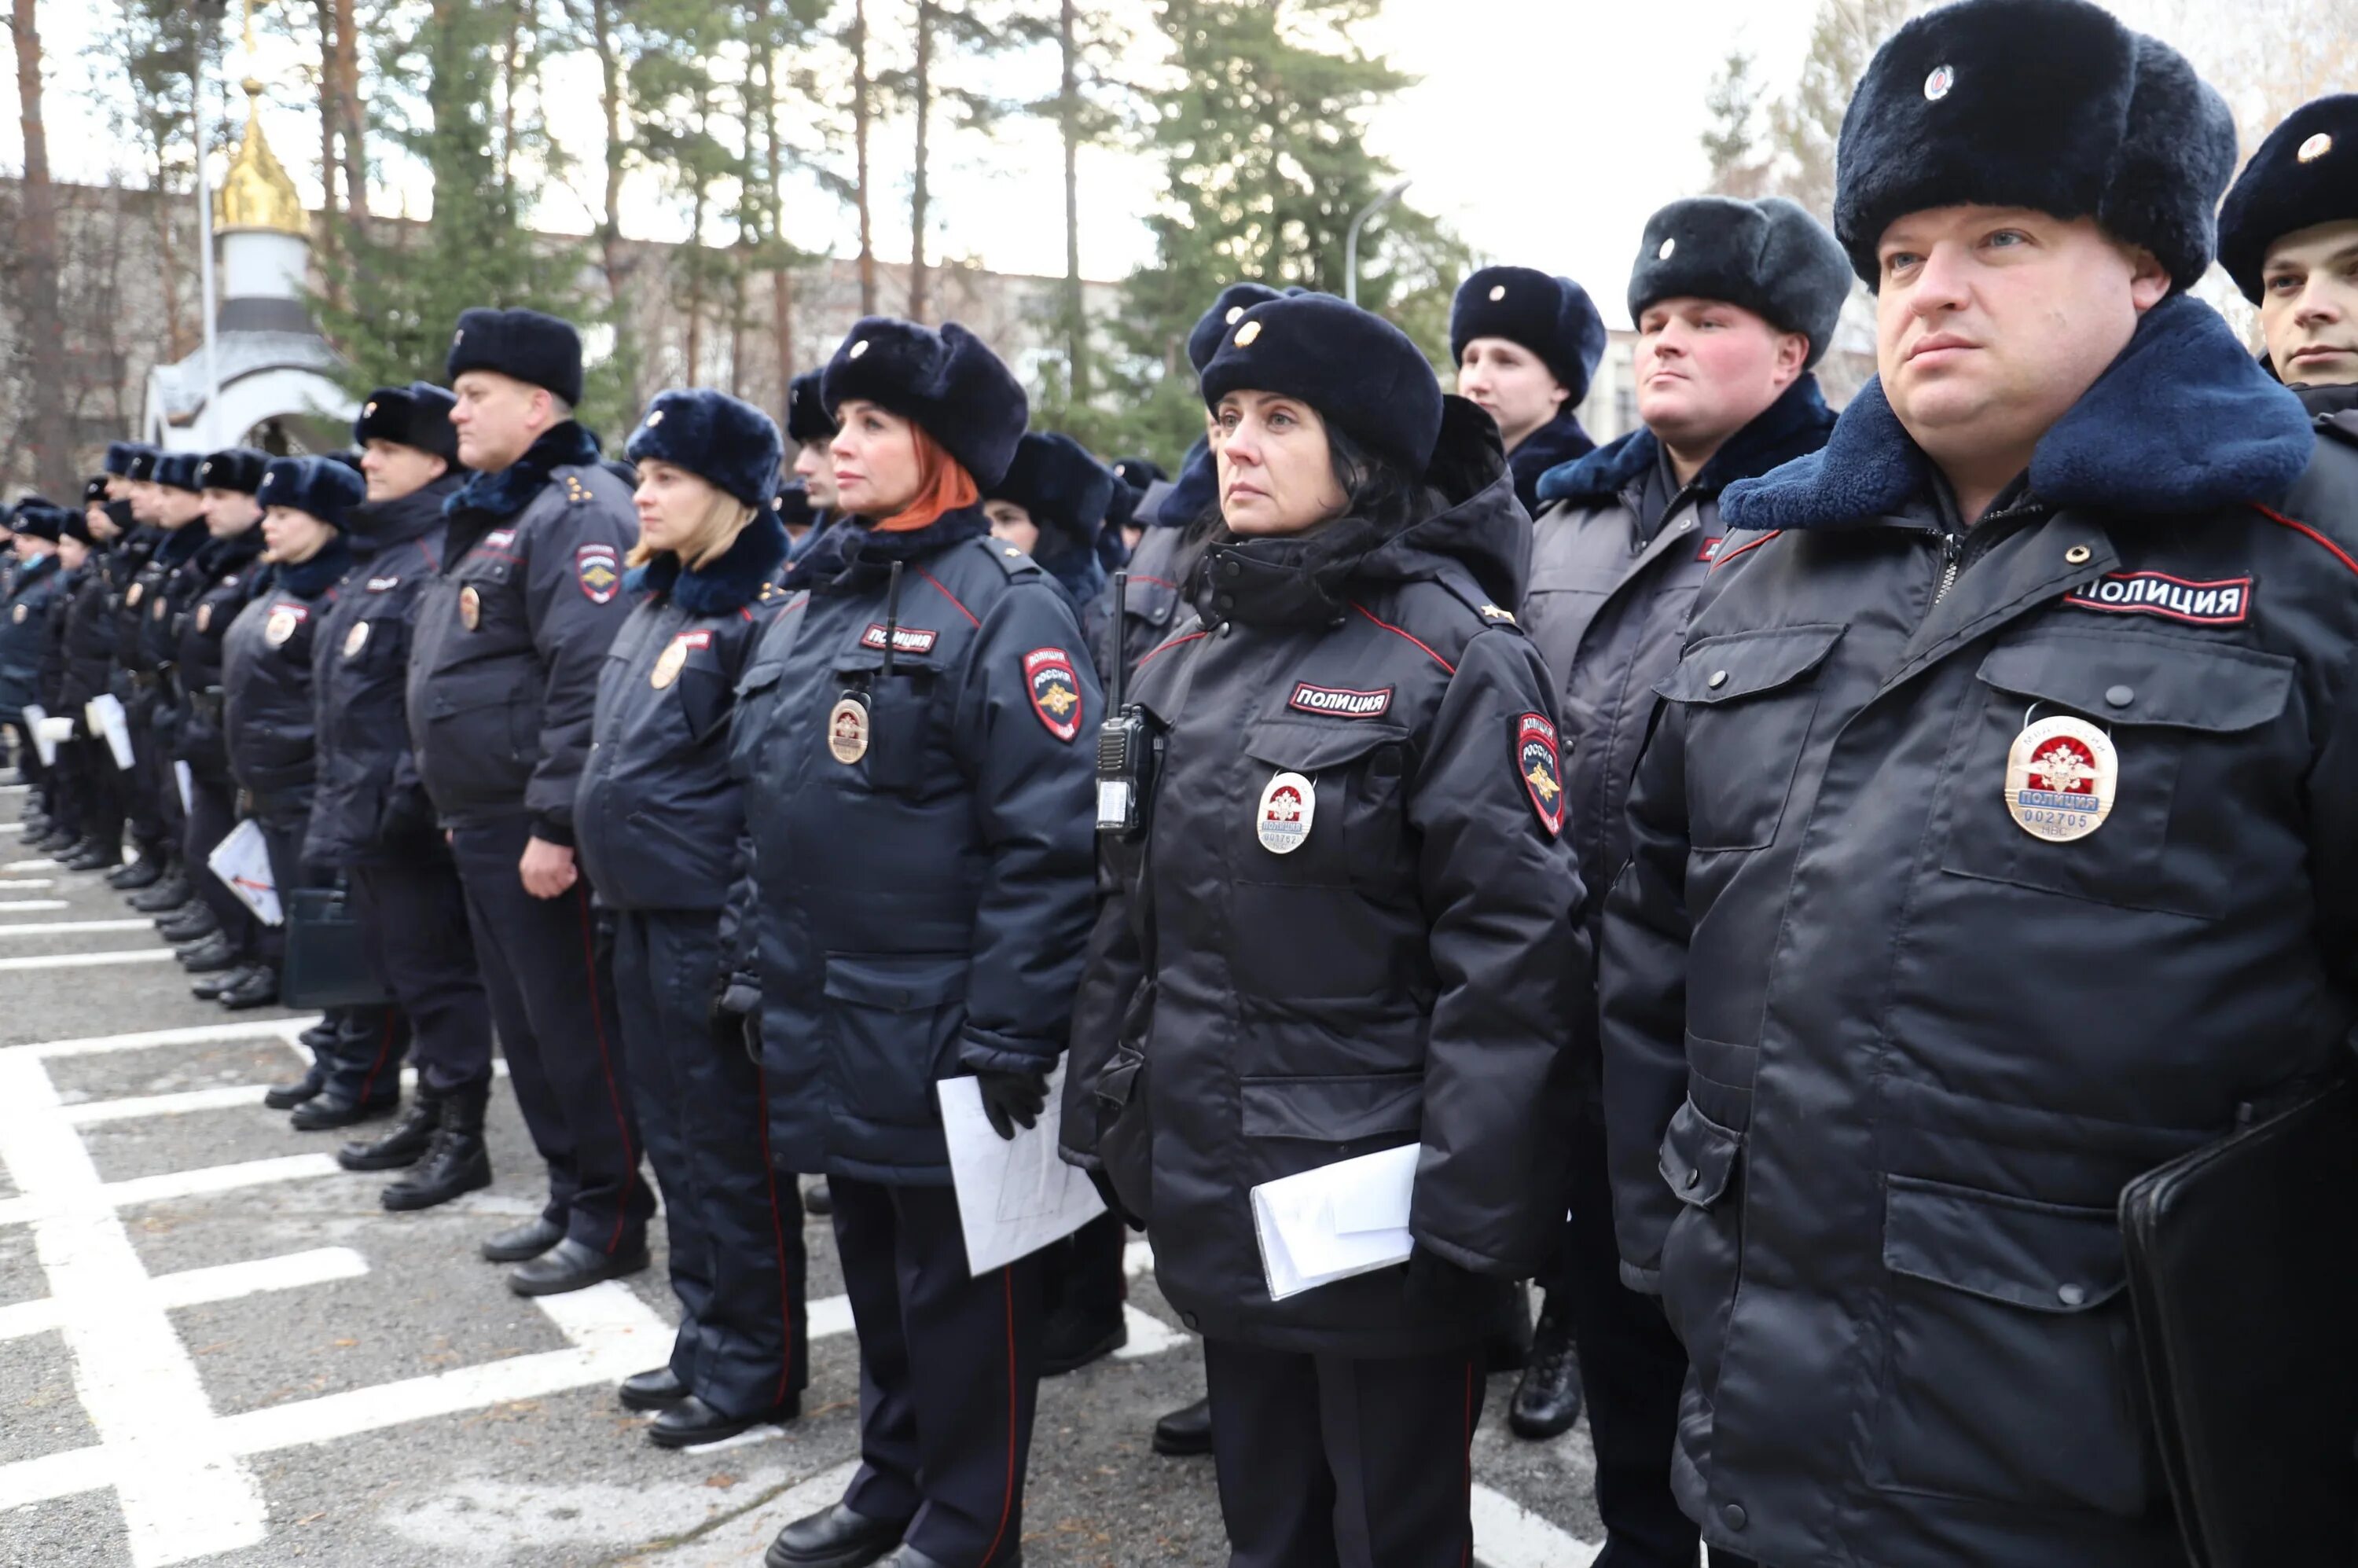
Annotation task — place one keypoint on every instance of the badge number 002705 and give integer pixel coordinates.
(2061, 775)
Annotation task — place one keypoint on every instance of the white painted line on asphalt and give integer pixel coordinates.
(27, 906)
(33, 1207)
(28, 884)
(1508, 1535)
(94, 1113)
(285, 1029)
(88, 960)
(70, 927)
(197, 1287)
(829, 1317)
(11, 827)
(38, 865)
(182, 1497)
(1149, 1336)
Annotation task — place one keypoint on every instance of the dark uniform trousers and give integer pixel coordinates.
(734, 1225)
(100, 786)
(1084, 1273)
(1328, 1461)
(212, 812)
(142, 805)
(949, 1373)
(413, 915)
(553, 1003)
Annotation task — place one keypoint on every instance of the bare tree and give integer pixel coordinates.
(35, 241)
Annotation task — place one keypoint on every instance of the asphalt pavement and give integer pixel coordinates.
(216, 1348)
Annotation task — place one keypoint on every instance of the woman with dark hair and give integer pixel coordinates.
(916, 734)
(1344, 928)
(659, 821)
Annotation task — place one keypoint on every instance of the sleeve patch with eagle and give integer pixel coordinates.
(1539, 760)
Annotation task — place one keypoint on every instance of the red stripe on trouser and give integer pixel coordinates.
(1007, 1506)
(778, 1236)
(606, 1062)
(384, 1049)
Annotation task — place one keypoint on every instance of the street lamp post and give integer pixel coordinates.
(1391, 193)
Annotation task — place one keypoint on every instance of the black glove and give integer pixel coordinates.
(1012, 1099)
(1436, 1284)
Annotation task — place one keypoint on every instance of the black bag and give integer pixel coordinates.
(325, 963)
(2242, 1259)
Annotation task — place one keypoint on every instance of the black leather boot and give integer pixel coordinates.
(336, 1109)
(165, 893)
(258, 988)
(96, 858)
(404, 1142)
(143, 872)
(286, 1096)
(455, 1162)
(1187, 1429)
(1547, 1398)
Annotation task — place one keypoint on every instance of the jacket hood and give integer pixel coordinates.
(510, 490)
(374, 525)
(1554, 444)
(727, 585)
(1794, 426)
(1478, 526)
(2182, 421)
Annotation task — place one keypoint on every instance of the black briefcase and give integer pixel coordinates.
(327, 962)
(2242, 1259)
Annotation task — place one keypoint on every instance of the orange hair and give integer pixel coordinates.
(942, 486)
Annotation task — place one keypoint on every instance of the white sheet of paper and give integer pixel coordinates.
(51, 734)
(1014, 1197)
(188, 783)
(107, 719)
(1320, 1225)
(37, 718)
(241, 860)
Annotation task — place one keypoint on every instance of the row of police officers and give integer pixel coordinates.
(1785, 874)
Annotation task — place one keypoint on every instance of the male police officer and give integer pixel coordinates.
(1526, 346)
(90, 669)
(1996, 841)
(809, 429)
(372, 816)
(131, 684)
(503, 684)
(2288, 236)
(1734, 301)
(150, 651)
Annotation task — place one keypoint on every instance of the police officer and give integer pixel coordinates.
(1053, 506)
(267, 717)
(810, 430)
(30, 590)
(1526, 346)
(371, 819)
(914, 736)
(153, 879)
(1137, 476)
(508, 643)
(1733, 301)
(69, 795)
(2288, 236)
(1993, 845)
(90, 668)
(168, 584)
(660, 822)
(228, 562)
(1345, 927)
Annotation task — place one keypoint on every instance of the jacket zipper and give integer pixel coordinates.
(1954, 547)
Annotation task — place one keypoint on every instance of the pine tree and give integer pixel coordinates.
(401, 294)
(1261, 141)
(1728, 139)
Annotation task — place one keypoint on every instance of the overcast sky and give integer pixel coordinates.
(1544, 131)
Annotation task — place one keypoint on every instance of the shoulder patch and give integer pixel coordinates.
(1539, 759)
(1055, 690)
(599, 569)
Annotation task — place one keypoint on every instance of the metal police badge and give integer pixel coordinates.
(1055, 691)
(283, 619)
(1539, 758)
(674, 658)
(847, 731)
(470, 608)
(1288, 807)
(2061, 777)
(356, 639)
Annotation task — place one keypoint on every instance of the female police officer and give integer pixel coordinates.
(1348, 927)
(914, 732)
(266, 713)
(657, 820)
